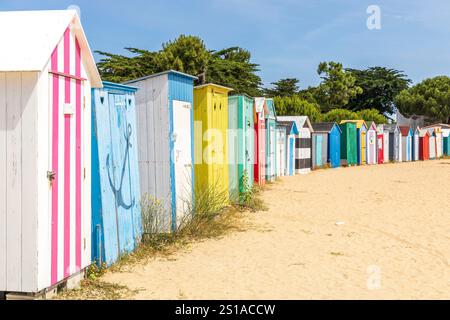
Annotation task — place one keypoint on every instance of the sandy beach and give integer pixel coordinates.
(372, 232)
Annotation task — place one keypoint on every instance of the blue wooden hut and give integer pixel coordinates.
(407, 143)
(291, 135)
(116, 195)
(332, 133)
(164, 106)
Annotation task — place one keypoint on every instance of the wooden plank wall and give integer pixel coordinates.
(18, 176)
(152, 108)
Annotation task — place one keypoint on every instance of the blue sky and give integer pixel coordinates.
(288, 38)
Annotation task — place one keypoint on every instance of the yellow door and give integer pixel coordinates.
(211, 115)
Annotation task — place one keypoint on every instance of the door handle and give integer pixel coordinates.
(51, 175)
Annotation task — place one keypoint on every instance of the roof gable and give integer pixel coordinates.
(271, 109)
(178, 73)
(392, 127)
(405, 130)
(300, 121)
(261, 105)
(34, 37)
(359, 123)
(291, 127)
(325, 127)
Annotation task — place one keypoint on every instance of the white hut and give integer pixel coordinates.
(371, 144)
(46, 74)
(303, 163)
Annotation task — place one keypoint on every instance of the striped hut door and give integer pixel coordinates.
(65, 173)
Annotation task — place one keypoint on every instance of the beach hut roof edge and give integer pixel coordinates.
(406, 130)
(240, 94)
(118, 86)
(391, 127)
(36, 35)
(160, 74)
(261, 104)
(359, 123)
(299, 120)
(291, 127)
(325, 126)
(214, 85)
(423, 133)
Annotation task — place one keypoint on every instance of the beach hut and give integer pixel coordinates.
(333, 142)
(432, 145)
(415, 145)
(211, 141)
(303, 163)
(241, 139)
(116, 195)
(46, 74)
(394, 142)
(319, 151)
(441, 130)
(424, 145)
(383, 133)
(165, 144)
(260, 110)
(372, 143)
(446, 141)
(348, 144)
(291, 134)
(361, 140)
(407, 142)
(271, 141)
(281, 153)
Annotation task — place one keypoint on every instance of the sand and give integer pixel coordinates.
(372, 232)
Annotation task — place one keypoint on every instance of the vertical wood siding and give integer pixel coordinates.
(115, 174)
(18, 191)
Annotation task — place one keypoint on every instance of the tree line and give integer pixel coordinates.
(343, 93)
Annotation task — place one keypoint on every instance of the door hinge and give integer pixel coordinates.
(84, 173)
(84, 102)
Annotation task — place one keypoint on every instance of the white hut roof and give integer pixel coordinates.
(31, 37)
(300, 121)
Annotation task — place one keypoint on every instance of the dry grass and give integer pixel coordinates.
(97, 290)
(209, 217)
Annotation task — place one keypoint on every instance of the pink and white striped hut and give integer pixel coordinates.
(46, 74)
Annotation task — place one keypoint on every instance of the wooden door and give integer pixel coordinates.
(182, 128)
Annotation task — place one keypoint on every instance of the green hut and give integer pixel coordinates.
(348, 144)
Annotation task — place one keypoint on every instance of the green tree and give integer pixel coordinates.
(119, 68)
(337, 115)
(371, 115)
(297, 106)
(230, 67)
(430, 98)
(283, 88)
(337, 86)
(380, 86)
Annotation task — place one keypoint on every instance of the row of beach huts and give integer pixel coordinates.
(79, 154)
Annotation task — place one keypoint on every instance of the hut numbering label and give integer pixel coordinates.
(225, 310)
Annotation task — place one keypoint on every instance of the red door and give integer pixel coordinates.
(380, 146)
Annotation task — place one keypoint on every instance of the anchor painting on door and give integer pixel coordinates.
(116, 194)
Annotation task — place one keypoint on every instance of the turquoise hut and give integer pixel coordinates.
(241, 144)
